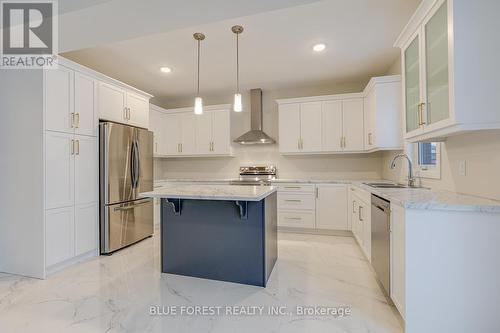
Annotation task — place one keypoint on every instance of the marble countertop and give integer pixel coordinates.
(411, 198)
(427, 199)
(211, 192)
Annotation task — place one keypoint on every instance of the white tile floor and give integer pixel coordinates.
(114, 294)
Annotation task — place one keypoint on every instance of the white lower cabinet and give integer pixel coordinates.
(331, 207)
(296, 219)
(86, 236)
(313, 206)
(398, 258)
(59, 235)
(360, 218)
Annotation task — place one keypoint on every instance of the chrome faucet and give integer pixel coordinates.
(411, 179)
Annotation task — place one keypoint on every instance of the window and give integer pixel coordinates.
(428, 158)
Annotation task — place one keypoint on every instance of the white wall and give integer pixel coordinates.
(359, 166)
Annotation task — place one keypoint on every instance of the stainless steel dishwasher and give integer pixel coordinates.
(381, 222)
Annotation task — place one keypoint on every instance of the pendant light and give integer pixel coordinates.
(237, 107)
(198, 102)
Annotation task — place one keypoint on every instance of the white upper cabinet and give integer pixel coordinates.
(112, 103)
(329, 124)
(59, 115)
(352, 125)
(332, 126)
(188, 133)
(172, 134)
(157, 124)
(289, 128)
(450, 70)
(180, 132)
(138, 110)
(221, 132)
(310, 126)
(85, 104)
(119, 105)
(383, 114)
(331, 206)
(204, 133)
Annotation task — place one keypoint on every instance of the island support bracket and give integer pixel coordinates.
(176, 205)
(243, 205)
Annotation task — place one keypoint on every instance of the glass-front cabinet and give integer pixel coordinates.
(425, 61)
(412, 85)
(437, 98)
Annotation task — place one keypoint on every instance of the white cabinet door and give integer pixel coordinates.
(172, 135)
(353, 128)
(59, 170)
(59, 99)
(155, 119)
(112, 103)
(221, 132)
(86, 170)
(369, 119)
(289, 128)
(204, 133)
(188, 136)
(59, 235)
(85, 117)
(331, 207)
(86, 221)
(365, 220)
(138, 110)
(398, 252)
(310, 126)
(332, 126)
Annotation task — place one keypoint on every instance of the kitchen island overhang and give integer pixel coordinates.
(219, 232)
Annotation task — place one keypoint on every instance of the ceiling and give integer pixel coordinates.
(275, 50)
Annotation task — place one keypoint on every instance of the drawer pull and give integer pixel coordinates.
(293, 187)
(293, 218)
(293, 200)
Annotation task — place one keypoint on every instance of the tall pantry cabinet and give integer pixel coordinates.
(49, 167)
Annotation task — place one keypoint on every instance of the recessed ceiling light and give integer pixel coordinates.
(319, 47)
(165, 69)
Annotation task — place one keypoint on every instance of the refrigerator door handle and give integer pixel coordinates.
(132, 164)
(138, 161)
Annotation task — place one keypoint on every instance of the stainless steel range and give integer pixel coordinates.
(256, 175)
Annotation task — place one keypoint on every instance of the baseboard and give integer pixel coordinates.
(344, 233)
(70, 262)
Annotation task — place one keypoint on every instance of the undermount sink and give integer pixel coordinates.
(393, 185)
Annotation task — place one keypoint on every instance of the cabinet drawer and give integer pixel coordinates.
(296, 219)
(306, 188)
(296, 201)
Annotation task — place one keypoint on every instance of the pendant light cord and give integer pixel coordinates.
(198, 87)
(237, 64)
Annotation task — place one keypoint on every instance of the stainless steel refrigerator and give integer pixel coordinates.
(126, 169)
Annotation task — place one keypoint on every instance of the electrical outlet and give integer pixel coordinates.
(462, 168)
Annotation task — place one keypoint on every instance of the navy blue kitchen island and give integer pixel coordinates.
(223, 232)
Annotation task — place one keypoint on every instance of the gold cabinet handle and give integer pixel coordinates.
(360, 213)
(77, 147)
(72, 120)
(181, 147)
(293, 218)
(72, 147)
(156, 147)
(125, 113)
(77, 117)
(293, 200)
(422, 114)
(353, 205)
(370, 142)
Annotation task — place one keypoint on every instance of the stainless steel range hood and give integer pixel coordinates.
(255, 135)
